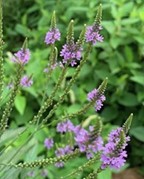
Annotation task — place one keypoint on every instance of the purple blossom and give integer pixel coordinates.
(53, 66)
(44, 173)
(94, 95)
(48, 143)
(71, 53)
(59, 164)
(94, 147)
(26, 81)
(83, 140)
(92, 34)
(22, 56)
(61, 152)
(52, 36)
(111, 156)
(66, 126)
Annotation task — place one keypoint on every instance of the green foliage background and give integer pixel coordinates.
(120, 58)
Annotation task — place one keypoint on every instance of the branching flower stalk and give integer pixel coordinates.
(71, 82)
(81, 139)
(82, 62)
(49, 101)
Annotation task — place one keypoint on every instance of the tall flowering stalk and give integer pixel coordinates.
(70, 40)
(92, 34)
(20, 58)
(53, 34)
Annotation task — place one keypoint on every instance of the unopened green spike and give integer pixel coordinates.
(103, 86)
(121, 141)
(82, 36)
(97, 129)
(126, 126)
(53, 20)
(99, 15)
(70, 33)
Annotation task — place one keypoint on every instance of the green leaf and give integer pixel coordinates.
(138, 79)
(138, 133)
(109, 113)
(128, 99)
(128, 53)
(22, 30)
(106, 174)
(20, 104)
(10, 134)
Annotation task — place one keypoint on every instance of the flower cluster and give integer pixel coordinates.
(48, 143)
(53, 66)
(26, 81)
(71, 53)
(66, 126)
(52, 36)
(22, 56)
(82, 139)
(114, 155)
(92, 34)
(99, 99)
(61, 152)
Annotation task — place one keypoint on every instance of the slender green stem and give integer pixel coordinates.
(83, 167)
(49, 101)
(10, 103)
(1, 50)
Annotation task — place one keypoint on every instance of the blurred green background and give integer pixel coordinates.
(120, 58)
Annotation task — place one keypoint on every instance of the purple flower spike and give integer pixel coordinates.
(22, 56)
(48, 143)
(66, 126)
(111, 156)
(71, 53)
(92, 34)
(26, 81)
(93, 95)
(52, 36)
